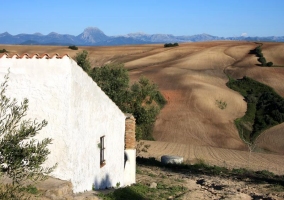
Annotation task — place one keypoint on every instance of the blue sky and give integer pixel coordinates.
(119, 17)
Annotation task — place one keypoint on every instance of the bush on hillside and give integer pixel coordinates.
(258, 53)
(171, 45)
(269, 64)
(73, 47)
(3, 51)
(265, 108)
(145, 103)
(262, 60)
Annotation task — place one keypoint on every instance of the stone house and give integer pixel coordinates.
(88, 130)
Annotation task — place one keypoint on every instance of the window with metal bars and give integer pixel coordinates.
(102, 151)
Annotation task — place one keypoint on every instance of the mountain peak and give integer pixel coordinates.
(5, 34)
(38, 34)
(137, 33)
(53, 33)
(92, 30)
(92, 35)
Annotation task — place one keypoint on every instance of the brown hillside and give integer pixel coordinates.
(192, 79)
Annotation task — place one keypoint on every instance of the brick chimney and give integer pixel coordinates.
(130, 141)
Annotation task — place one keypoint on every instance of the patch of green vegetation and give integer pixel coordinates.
(31, 189)
(221, 104)
(258, 52)
(265, 108)
(276, 188)
(73, 47)
(151, 175)
(163, 176)
(138, 171)
(141, 191)
(3, 51)
(171, 45)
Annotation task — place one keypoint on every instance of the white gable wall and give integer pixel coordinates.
(103, 119)
(78, 113)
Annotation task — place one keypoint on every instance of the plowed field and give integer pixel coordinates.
(191, 77)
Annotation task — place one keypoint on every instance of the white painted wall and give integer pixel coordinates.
(104, 119)
(47, 87)
(130, 167)
(78, 114)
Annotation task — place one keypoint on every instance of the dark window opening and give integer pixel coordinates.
(102, 151)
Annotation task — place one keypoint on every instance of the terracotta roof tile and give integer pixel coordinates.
(4, 55)
(23, 56)
(63, 56)
(36, 55)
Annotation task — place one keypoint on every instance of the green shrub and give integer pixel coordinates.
(221, 104)
(113, 79)
(171, 45)
(265, 108)
(269, 64)
(82, 60)
(73, 47)
(258, 53)
(3, 51)
(262, 60)
(142, 191)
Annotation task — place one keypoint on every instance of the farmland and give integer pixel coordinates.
(192, 77)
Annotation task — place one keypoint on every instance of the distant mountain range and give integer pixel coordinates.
(94, 36)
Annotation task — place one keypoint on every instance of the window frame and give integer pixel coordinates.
(102, 151)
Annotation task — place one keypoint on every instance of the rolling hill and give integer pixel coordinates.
(192, 79)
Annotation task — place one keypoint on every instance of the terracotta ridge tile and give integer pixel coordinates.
(4, 54)
(63, 56)
(35, 55)
(25, 55)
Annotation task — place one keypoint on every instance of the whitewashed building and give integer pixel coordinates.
(87, 128)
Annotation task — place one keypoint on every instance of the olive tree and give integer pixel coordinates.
(113, 79)
(82, 60)
(21, 156)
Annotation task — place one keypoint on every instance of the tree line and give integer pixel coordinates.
(265, 108)
(258, 52)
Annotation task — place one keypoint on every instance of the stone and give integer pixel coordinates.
(168, 159)
(153, 185)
